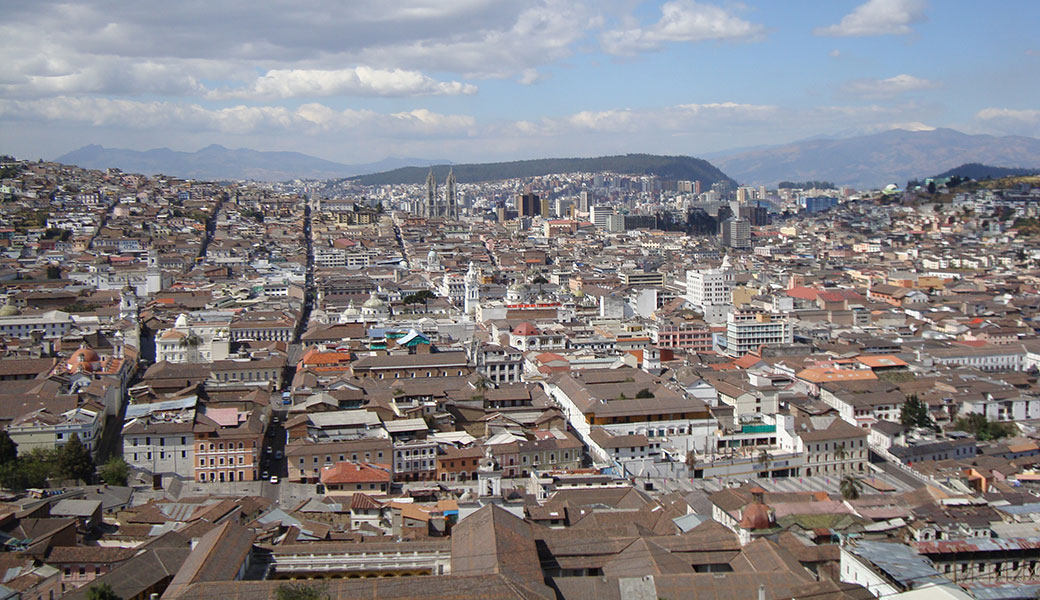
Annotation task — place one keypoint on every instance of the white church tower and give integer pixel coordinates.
(472, 298)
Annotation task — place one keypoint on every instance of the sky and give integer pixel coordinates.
(485, 80)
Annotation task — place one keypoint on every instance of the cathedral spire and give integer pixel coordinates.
(431, 195)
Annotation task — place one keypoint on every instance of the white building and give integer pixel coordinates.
(161, 447)
(52, 324)
(711, 291)
(746, 330)
(185, 342)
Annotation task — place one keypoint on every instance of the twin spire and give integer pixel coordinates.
(441, 206)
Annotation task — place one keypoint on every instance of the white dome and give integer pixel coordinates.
(373, 302)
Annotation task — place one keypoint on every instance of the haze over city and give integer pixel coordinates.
(494, 80)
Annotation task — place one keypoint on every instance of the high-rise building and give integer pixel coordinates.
(711, 290)
(746, 330)
(599, 215)
(528, 205)
(736, 233)
(754, 214)
(585, 201)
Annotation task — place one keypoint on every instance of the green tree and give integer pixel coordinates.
(763, 459)
(850, 487)
(644, 393)
(914, 413)
(53, 272)
(8, 449)
(115, 471)
(982, 428)
(539, 280)
(840, 454)
(302, 591)
(101, 591)
(74, 460)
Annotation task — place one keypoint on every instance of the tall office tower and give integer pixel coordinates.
(450, 196)
(697, 187)
(736, 233)
(431, 195)
(711, 290)
(755, 214)
(585, 201)
(742, 195)
(599, 215)
(528, 205)
(545, 208)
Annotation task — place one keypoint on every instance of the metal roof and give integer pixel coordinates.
(899, 562)
(977, 545)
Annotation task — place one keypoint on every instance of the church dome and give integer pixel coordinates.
(352, 310)
(373, 302)
(83, 359)
(9, 310)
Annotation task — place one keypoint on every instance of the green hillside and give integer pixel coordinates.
(669, 168)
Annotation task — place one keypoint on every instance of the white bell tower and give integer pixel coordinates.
(472, 298)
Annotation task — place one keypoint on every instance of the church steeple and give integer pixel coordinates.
(450, 196)
(429, 208)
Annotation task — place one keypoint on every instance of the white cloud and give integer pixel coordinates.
(834, 53)
(886, 88)
(161, 48)
(307, 119)
(1011, 121)
(878, 17)
(358, 81)
(681, 21)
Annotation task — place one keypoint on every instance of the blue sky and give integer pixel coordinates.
(478, 80)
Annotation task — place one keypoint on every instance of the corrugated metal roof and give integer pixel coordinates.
(977, 545)
(899, 562)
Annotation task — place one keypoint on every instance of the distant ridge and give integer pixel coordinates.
(671, 168)
(979, 172)
(218, 163)
(867, 161)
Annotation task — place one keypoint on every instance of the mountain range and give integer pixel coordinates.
(216, 162)
(670, 168)
(875, 160)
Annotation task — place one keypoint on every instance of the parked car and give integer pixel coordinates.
(274, 479)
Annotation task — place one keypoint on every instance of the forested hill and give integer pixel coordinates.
(979, 172)
(670, 168)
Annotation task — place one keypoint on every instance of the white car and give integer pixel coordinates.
(274, 479)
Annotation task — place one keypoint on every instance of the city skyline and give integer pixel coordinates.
(485, 80)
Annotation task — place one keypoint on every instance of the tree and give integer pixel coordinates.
(53, 272)
(644, 393)
(840, 454)
(850, 487)
(763, 459)
(691, 460)
(8, 449)
(914, 413)
(101, 591)
(931, 187)
(539, 280)
(115, 471)
(982, 428)
(302, 591)
(74, 460)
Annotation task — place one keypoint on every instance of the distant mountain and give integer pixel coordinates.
(979, 172)
(219, 163)
(875, 160)
(670, 168)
